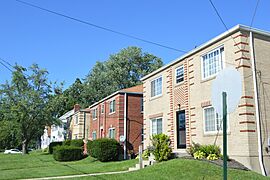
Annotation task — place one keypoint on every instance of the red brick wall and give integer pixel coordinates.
(134, 121)
(116, 120)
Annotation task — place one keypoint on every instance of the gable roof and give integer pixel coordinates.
(208, 43)
(132, 90)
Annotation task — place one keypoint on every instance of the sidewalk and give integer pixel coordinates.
(80, 175)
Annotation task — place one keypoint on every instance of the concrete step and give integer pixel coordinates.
(132, 169)
(180, 153)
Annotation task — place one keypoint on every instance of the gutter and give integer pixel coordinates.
(258, 118)
(125, 126)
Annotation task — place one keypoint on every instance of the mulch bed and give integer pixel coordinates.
(233, 164)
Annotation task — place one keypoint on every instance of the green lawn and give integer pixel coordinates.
(182, 169)
(42, 165)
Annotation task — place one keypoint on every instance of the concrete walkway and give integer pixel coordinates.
(77, 176)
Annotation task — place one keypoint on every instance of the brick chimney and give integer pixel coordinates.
(76, 107)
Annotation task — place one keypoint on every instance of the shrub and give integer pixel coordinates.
(54, 144)
(77, 143)
(89, 146)
(212, 157)
(145, 154)
(162, 150)
(199, 155)
(105, 149)
(67, 153)
(194, 148)
(67, 142)
(210, 149)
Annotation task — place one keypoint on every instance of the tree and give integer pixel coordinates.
(122, 70)
(25, 103)
(9, 134)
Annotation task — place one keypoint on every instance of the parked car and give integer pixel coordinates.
(12, 151)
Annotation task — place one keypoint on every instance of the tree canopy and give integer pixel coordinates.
(25, 103)
(121, 70)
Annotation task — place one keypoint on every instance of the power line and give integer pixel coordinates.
(220, 18)
(256, 7)
(100, 27)
(5, 66)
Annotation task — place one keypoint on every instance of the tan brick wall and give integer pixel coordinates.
(195, 94)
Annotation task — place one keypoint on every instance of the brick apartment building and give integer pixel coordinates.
(117, 116)
(177, 97)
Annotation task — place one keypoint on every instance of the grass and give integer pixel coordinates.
(17, 166)
(43, 165)
(183, 169)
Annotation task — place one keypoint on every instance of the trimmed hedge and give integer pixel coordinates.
(77, 143)
(54, 144)
(89, 146)
(105, 149)
(67, 142)
(67, 153)
(73, 142)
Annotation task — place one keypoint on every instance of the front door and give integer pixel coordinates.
(181, 129)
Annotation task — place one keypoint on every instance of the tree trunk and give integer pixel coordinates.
(25, 147)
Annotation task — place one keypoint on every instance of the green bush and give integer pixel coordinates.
(89, 146)
(77, 143)
(54, 144)
(194, 148)
(212, 157)
(210, 149)
(162, 150)
(105, 149)
(67, 142)
(211, 152)
(67, 153)
(199, 155)
(73, 142)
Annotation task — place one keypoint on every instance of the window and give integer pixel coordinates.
(156, 87)
(141, 104)
(94, 113)
(212, 121)
(102, 108)
(94, 135)
(156, 126)
(112, 133)
(212, 62)
(179, 74)
(76, 119)
(112, 106)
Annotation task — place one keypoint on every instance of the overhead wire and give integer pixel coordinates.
(100, 27)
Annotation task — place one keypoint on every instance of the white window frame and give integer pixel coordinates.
(151, 125)
(94, 112)
(156, 95)
(182, 76)
(110, 133)
(220, 131)
(114, 109)
(94, 132)
(221, 61)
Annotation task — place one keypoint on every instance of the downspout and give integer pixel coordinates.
(125, 126)
(258, 119)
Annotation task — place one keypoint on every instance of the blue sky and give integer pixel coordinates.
(68, 49)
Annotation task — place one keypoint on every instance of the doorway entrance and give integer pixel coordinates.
(181, 129)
